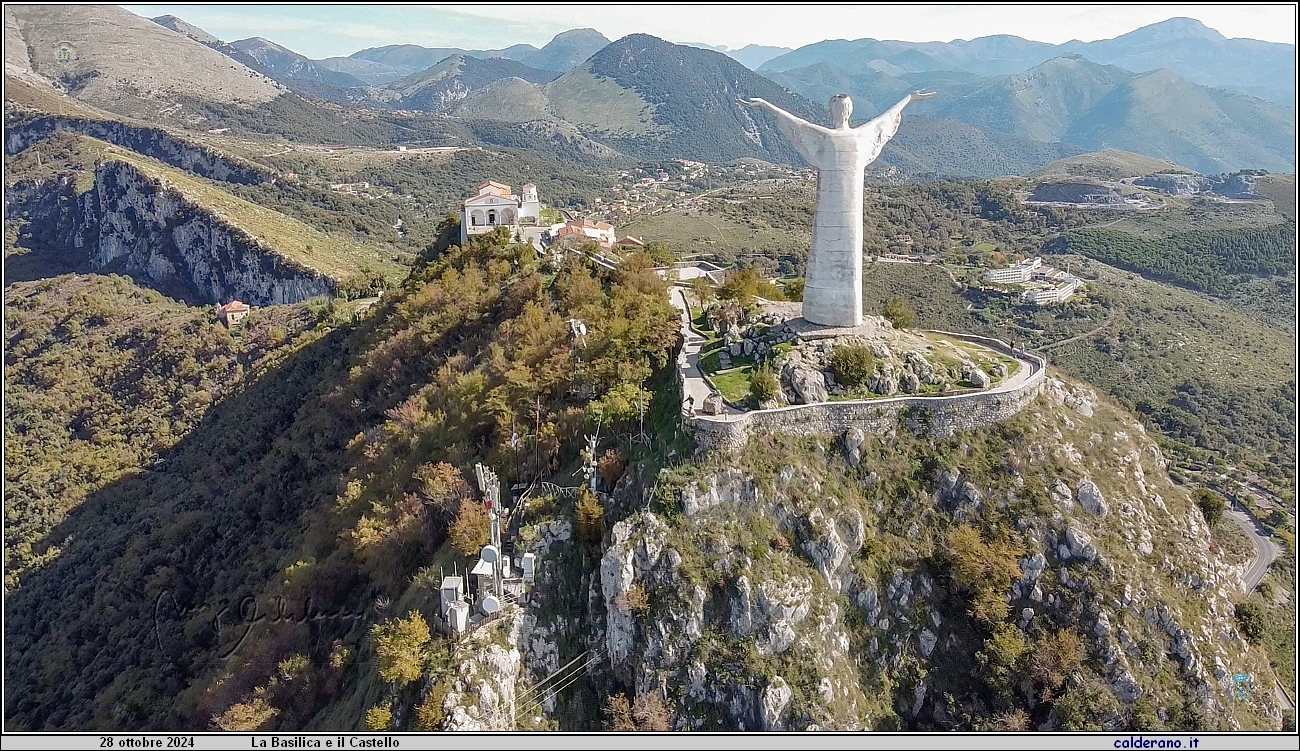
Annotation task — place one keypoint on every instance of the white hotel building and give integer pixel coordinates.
(1018, 274)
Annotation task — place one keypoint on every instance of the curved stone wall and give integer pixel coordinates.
(938, 416)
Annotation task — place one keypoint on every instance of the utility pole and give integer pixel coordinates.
(537, 436)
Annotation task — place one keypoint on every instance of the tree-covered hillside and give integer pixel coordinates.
(103, 377)
(694, 93)
(1213, 261)
(325, 475)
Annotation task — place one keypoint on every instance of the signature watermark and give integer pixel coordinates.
(237, 619)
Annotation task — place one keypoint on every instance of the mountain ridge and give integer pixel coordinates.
(1183, 45)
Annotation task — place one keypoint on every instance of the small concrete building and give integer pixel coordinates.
(1051, 295)
(233, 312)
(451, 592)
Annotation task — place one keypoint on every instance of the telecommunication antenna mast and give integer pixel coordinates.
(490, 484)
(589, 466)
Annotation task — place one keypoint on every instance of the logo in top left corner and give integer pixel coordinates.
(65, 52)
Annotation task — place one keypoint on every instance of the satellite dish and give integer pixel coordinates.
(491, 604)
(489, 554)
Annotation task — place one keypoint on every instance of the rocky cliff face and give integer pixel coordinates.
(789, 588)
(152, 142)
(129, 223)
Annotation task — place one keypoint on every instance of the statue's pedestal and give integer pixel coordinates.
(873, 327)
(791, 314)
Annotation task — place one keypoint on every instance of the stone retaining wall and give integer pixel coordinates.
(938, 416)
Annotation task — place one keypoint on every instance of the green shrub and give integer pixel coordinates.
(1211, 505)
(852, 364)
(1250, 620)
(400, 646)
(589, 516)
(899, 314)
(379, 718)
(1085, 707)
(763, 385)
(1143, 715)
(472, 528)
(794, 289)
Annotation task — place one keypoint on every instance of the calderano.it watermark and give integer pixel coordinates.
(1137, 741)
(242, 616)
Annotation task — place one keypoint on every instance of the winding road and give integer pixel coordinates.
(1266, 551)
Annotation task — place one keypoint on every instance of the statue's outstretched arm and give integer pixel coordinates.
(805, 136)
(884, 127)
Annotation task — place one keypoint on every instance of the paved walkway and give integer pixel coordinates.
(689, 359)
(695, 385)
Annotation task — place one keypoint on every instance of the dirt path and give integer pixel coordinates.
(1074, 339)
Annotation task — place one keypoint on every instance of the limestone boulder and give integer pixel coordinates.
(975, 376)
(1061, 494)
(776, 699)
(712, 404)
(926, 642)
(808, 385)
(883, 381)
(853, 441)
(1077, 545)
(868, 600)
(1033, 567)
(1090, 498)
(918, 364)
(910, 383)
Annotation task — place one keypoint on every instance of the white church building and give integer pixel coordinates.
(495, 206)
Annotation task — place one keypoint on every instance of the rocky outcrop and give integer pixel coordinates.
(152, 142)
(482, 695)
(808, 385)
(1076, 193)
(1175, 184)
(1091, 499)
(130, 223)
(853, 440)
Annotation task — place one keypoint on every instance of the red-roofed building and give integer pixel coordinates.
(496, 206)
(232, 312)
(587, 230)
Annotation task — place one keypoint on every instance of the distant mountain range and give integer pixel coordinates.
(1007, 105)
(1183, 45)
(382, 65)
(751, 55)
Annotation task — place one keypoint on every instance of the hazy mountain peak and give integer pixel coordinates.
(1174, 28)
(252, 43)
(180, 26)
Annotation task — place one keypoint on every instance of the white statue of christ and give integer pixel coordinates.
(833, 285)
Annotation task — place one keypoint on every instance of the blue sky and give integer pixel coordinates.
(327, 30)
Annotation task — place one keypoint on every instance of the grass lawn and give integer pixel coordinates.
(983, 247)
(733, 384)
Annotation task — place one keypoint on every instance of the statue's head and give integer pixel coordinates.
(841, 107)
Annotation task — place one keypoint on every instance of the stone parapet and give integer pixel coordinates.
(937, 416)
